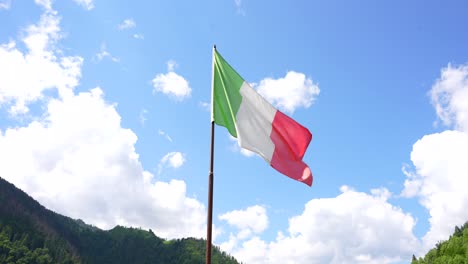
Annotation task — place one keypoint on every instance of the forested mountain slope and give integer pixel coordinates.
(30, 233)
(452, 251)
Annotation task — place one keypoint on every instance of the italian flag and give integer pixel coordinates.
(258, 126)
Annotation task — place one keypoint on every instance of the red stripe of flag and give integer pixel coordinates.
(291, 141)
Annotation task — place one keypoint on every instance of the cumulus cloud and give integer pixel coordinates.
(79, 147)
(253, 218)
(75, 157)
(251, 221)
(449, 96)
(412, 185)
(26, 75)
(103, 54)
(441, 178)
(354, 227)
(440, 168)
(46, 4)
(172, 84)
(172, 159)
(86, 4)
(289, 93)
(127, 24)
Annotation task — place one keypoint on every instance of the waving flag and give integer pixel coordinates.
(258, 126)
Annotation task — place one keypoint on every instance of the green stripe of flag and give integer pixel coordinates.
(226, 93)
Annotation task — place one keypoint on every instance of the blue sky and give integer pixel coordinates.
(104, 117)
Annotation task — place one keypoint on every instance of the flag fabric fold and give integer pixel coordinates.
(258, 126)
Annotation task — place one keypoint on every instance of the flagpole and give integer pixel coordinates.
(210, 200)
(209, 224)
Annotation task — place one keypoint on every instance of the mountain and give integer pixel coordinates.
(30, 233)
(452, 251)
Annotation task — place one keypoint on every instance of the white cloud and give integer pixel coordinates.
(256, 250)
(79, 147)
(412, 184)
(127, 24)
(5, 4)
(450, 96)
(439, 159)
(250, 221)
(103, 53)
(172, 159)
(441, 178)
(165, 135)
(353, 227)
(26, 75)
(138, 36)
(86, 4)
(229, 245)
(46, 4)
(289, 93)
(75, 157)
(382, 193)
(253, 218)
(171, 83)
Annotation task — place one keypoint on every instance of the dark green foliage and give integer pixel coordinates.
(19, 250)
(30, 233)
(31, 227)
(452, 251)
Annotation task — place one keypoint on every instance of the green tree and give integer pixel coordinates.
(452, 251)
